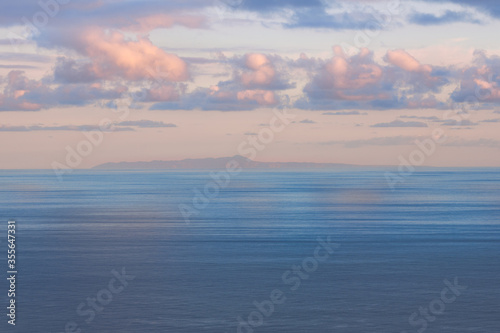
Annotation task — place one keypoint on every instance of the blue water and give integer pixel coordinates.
(395, 249)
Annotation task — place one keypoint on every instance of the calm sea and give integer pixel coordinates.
(396, 252)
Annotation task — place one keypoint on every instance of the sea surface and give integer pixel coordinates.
(395, 251)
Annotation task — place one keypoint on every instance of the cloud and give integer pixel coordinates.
(400, 123)
(419, 78)
(405, 61)
(111, 56)
(23, 94)
(78, 128)
(134, 15)
(346, 79)
(307, 121)
(420, 102)
(463, 122)
(14, 41)
(432, 118)
(317, 17)
(496, 120)
(479, 82)
(262, 97)
(261, 71)
(28, 57)
(447, 122)
(18, 93)
(200, 60)
(345, 113)
(258, 71)
(491, 7)
(217, 99)
(145, 124)
(79, 95)
(448, 17)
(73, 71)
(18, 66)
(357, 81)
(255, 82)
(161, 93)
(273, 5)
(154, 21)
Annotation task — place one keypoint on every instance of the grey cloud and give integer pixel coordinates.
(18, 66)
(23, 94)
(448, 17)
(400, 123)
(345, 113)
(491, 7)
(145, 124)
(28, 57)
(432, 118)
(496, 120)
(463, 122)
(78, 128)
(270, 5)
(319, 18)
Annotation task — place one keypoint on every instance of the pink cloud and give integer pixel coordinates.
(260, 70)
(13, 97)
(479, 81)
(262, 97)
(492, 89)
(111, 55)
(404, 60)
(254, 84)
(355, 78)
(353, 73)
(357, 81)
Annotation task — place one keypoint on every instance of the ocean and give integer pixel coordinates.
(271, 251)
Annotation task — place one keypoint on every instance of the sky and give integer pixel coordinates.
(360, 82)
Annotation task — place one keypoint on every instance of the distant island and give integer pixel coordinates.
(220, 163)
